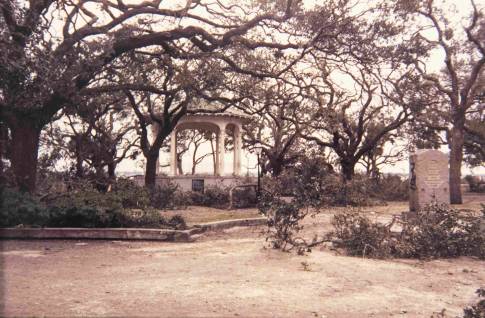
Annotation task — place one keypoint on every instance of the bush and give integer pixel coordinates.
(313, 183)
(437, 231)
(213, 196)
(21, 208)
(475, 184)
(357, 192)
(390, 188)
(132, 195)
(245, 197)
(85, 207)
(82, 207)
(168, 196)
(362, 237)
(478, 310)
(150, 218)
(284, 223)
(177, 222)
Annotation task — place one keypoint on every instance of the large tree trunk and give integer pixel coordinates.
(456, 159)
(179, 165)
(3, 150)
(79, 162)
(276, 167)
(151, 170)
(112, 171)
(348, 172)
(24, 152)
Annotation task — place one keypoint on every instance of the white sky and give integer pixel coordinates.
(458, 8)
(249, 160)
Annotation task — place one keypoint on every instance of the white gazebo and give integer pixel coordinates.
(217, 123)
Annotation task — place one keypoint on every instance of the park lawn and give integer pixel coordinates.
(199, 214)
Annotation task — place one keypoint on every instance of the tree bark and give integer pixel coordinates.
(456, 158)
(151, 170)
(112, 171)
(276, 167)
(79, 161)
(24, 153)
(3, 150)
(179, 165)
(348, 171)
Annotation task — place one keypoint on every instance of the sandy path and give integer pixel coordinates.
(224, 275)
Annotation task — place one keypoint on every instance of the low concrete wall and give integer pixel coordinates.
(96, 233)
(219, 225)
(125, 234)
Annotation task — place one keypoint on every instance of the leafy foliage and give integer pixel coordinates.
(313, 183)
(437, 231)
(475, 184)
(478, 310)
(390, 188)
(245, 197)
(213, 196)
(362, 237)
(169, 196)
(284, 223)
(20, 208)
(84, 207)
(132, 196)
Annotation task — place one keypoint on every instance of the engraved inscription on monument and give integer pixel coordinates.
(433, 178)
(429, 179)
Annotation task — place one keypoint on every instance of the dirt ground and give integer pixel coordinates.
(226, 274)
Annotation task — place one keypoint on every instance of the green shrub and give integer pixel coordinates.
(85, 207)
(437, 231)
(284, 223)
(357, 192)
(18, 208)
(475, 184)
(362, 237)
(177, 222)
(169, 196)
(390, 188)
(132, 195)
(313, 183)
(478, 310)
(244, 197)
(149, 218)
(82, 207)
(213, 196)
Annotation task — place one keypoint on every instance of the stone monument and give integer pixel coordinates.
(429, 180)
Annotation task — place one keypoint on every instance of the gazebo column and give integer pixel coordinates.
(173, 152)
(237, 150)
(220, 150)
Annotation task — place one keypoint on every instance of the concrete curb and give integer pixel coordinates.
(219, 225)
(125, 233)
(96, 234)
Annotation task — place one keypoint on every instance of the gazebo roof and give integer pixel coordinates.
(211, 112)
(227, 114)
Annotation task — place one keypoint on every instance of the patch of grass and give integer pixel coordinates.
(196, 214)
